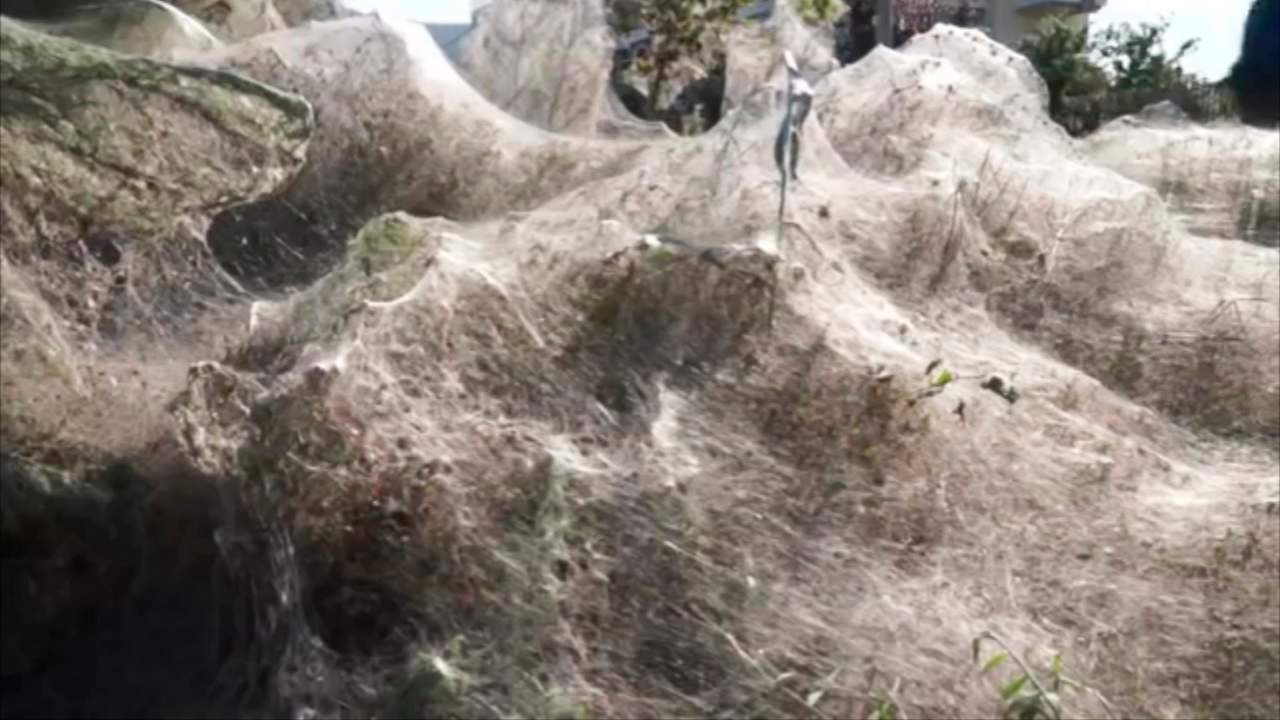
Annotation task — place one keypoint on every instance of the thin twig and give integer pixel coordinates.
(1106, 704)
(949, 249)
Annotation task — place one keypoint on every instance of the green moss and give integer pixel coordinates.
(387, 242)
(91, 136)
(381, 249)
(28, 357)
(29, 59)
(33, 376)
(22, 50)
(563, 708)
(15, 417)
(659, 257)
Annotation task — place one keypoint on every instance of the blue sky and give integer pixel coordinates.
(1217, 24)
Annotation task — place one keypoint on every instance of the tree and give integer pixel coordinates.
(1135, 71)
(1255, 77)
(1141, 72)
(817, 12)
(624, 15)
(678, 29)
(1058, 51)
(897, 20)
(855, 31)
(1136, 57)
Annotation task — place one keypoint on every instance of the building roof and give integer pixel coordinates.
(1086, 6)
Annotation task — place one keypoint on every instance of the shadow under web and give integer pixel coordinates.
(275, 244)
(115, 599)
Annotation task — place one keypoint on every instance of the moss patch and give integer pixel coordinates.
(91, 135)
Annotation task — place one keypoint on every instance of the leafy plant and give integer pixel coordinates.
(1119, 72)
(1058, 50)
(883, 709)
(939, 378)
(817, 12)
(1025, 697)
(1136, 58)
(678, 29)
(943, 377)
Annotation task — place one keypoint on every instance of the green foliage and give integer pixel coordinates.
(1024, 696)
(1136, 58)
(1140, 71)
(686, 27)
(883, 710)
(1124, 69)
(678, 29)
(624, 15)
(386, 242)
(943, 377)
(939, 377)
(1058, 51)
(818, 12)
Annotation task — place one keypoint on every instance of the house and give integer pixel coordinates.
(1009, 21)
(1006, 21)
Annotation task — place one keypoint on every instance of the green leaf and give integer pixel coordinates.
(883, 710)
(943, 378)
(996, 661)
(1012, 688)
(1026, 707)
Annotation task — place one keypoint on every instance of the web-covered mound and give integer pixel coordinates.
(397, 129)
(1059, 247)
(754, 55)
(241, 19)
(545, 63)
(604, 442)
(1222, 180)
(604, 410)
